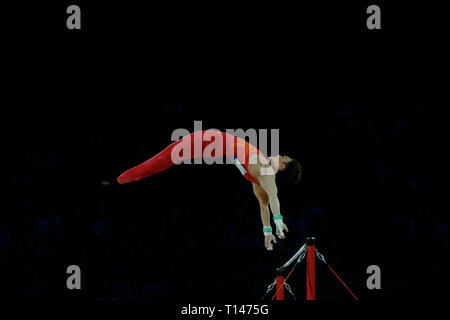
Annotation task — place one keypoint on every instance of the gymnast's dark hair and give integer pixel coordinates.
(293, 171)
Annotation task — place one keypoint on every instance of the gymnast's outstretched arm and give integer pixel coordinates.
(263, 199)
(269, 185)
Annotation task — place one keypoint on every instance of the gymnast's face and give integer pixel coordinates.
(283, 161)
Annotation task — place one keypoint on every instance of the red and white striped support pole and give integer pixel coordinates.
(310, 269)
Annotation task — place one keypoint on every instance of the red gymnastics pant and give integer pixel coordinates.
(196, 142)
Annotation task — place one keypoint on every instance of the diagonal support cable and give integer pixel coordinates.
(322, 258)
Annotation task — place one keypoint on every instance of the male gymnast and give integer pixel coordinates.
(253, 164)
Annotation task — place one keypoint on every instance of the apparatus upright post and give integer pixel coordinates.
(310, 269)
(280, 286)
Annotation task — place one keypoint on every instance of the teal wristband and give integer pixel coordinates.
(278, 217)
(267, 229)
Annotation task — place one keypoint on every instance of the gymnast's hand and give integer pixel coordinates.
(268, 238)
(280, 228)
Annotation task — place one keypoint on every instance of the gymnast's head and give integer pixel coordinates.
(290, 169)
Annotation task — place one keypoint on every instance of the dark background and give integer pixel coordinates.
(355, 107)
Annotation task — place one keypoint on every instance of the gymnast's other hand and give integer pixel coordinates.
(268, 241)
(280, 228)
